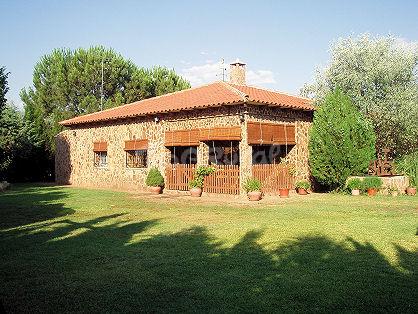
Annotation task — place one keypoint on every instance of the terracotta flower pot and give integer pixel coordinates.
(156, 189)
(355, 192)
(254, 196)
(284, 193)
(196, 192)
(371, 192)
(411, 191)
(302, 191)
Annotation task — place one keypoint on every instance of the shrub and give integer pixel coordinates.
(200, 174)
(408, 165)
(354, 184)
(154, 178)
(197, 182)
(252, 185)
(303, 184)
(342, 141)
(372, 183)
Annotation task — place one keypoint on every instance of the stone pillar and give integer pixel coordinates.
(302, 160)
(245, 156)
(203, 154)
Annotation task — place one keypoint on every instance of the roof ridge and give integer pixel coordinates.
(236, 91)
(274, 91)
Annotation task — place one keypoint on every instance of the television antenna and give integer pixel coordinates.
(222, 69)
(101, 91)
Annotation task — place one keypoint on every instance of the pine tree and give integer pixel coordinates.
(342, 141)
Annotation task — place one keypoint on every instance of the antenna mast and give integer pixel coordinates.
(101, 91)
(223, 70)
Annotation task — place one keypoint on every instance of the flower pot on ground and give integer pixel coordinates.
(372, 185)
(284, 192)
(155, 181)
(302, 187)
(253, 188)
(196, 192)
(371, 192)
(196, 185)
(156, 189)
(354, 185)
(411, 191)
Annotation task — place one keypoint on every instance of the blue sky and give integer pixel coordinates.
(282, 42)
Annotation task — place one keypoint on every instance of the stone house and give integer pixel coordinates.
(242, 130)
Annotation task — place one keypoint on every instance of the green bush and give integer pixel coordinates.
(154, 178)
(342, 141)
(303, 184)
(354, 184)
(408, 165)
(200, 174)
(252, 185)
(197, 182)
(372, 183)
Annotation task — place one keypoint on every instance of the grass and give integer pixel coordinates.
(80, 250)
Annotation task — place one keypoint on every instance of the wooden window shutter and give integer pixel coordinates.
(182, 138)
(136, 145)
(100, 146)
(270, 133)
(221, 134)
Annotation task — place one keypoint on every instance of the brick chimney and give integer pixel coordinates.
(237, 73)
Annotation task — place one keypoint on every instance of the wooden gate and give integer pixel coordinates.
(273, 177)
(225, 180)
(178, 176)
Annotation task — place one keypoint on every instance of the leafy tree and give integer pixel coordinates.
(68, 83)
(342, 141)
(380, 75)
(11, 123)
(3, 87)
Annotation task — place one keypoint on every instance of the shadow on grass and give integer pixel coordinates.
(27, 204)
(106, 266)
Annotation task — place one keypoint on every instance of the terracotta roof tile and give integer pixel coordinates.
(211, 95)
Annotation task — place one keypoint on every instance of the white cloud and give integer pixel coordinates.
(212, 71)
(260, 77)
(202, 74)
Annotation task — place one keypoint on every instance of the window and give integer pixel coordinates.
(183, 154)
(100, 154)
(136, 158)
(100, 159)
(270, 154)
(223, 152)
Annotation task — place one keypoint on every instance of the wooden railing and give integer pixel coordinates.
(178, 176)
(273, 177)
(225, 180)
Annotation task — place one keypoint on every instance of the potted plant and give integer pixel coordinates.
(284, 192)
(253, 188)
(372, 184)
(302, 187)
(155, 181)
(196, 185)
(411, 190)
(354, 185)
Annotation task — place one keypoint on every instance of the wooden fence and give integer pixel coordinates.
(225, 180)
(273, 177)
(178, 176)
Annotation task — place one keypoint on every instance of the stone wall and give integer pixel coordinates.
(74, 154)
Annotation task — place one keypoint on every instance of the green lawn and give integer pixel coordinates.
(79, 250)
